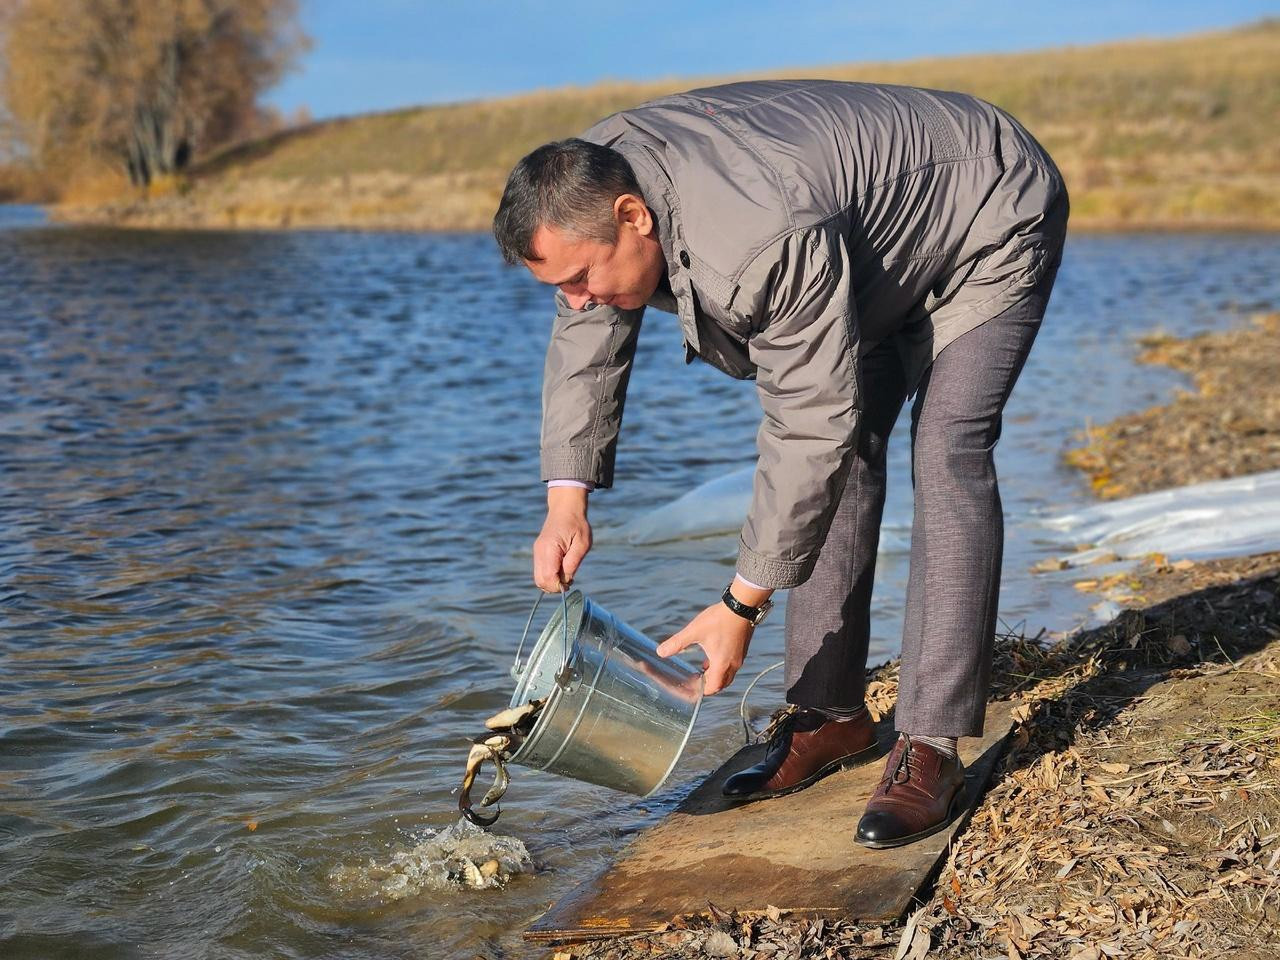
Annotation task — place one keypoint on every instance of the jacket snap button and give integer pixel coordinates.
(684, 258)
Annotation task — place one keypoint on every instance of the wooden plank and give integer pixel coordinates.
(795, 852)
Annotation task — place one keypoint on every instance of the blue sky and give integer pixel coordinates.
(381, 54)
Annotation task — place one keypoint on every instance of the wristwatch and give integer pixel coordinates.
(754, 614)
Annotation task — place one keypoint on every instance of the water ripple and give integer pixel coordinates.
(264, 560)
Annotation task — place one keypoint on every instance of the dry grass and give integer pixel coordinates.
(1138, 814)
(21, 184)
(1168, 133)
(95, 187)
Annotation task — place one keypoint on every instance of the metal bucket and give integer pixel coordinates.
(616, 714)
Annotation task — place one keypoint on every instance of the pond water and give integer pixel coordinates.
(265, 521)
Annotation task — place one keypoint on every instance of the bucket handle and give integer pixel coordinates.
(517, 668)
(748, 733)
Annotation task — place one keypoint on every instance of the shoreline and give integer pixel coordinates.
(286, 220)
(1135, 812)
(1226, 425)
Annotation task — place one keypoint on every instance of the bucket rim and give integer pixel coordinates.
(558, 693)
(539, 729)
(519, 696)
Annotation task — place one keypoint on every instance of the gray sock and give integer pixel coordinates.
(944, 745)
(843, 714)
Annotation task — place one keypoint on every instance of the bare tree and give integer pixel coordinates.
(144, 85)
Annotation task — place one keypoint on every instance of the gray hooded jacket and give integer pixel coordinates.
(803, 222)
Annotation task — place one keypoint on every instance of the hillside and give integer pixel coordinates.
(1179, 133)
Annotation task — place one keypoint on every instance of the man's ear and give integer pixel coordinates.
(630, 209)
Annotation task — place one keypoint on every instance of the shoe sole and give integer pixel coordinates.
(852, 760)
(953, 814)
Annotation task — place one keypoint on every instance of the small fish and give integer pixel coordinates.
(472, 874)
(481, 752)
(514, 717)
(510, 727)
(500, 742)
(501, 780)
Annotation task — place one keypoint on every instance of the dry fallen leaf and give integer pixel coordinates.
(1049, 565)
(912, 934)
(874, 937)
(720, 944)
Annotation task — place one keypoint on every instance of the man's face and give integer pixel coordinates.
(623, 274)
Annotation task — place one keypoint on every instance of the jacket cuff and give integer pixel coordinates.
(580, 484)
(770, 571)
(576, 463)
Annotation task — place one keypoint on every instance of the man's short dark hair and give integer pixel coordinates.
(570, 185)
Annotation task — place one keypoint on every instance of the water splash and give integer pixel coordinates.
(461, 856)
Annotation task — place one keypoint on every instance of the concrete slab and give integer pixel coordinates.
(794, 852)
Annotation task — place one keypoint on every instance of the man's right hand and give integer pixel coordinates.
(564, 540)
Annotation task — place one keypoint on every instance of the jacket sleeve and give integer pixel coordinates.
(805, 352)
(584, 388)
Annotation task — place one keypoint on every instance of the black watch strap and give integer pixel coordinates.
(752, 614)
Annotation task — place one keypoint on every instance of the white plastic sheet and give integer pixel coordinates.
(720, 507)
(717, 506)
(1221, 518)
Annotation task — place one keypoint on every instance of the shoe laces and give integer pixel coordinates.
(779, 722)
(907, 760)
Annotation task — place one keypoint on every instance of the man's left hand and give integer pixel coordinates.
(724, 637)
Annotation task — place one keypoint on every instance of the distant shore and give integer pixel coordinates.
(244, 212)
(1134, 815)
(1168, 134)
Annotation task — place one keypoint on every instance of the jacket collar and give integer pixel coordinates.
(660, 197)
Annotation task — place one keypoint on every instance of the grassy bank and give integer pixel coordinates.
(1150, 134)
(1137, 812)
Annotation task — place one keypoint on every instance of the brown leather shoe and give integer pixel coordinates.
(804, 746)
(921, 792)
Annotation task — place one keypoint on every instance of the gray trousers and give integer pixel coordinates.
(957, 535)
